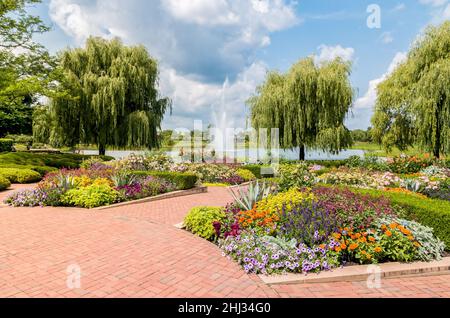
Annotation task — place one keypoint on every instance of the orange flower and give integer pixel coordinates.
(388, 233)
(337, 235)
(377, 249)
(410, 237)
(358, 235)
(369, 256)
(343, 246)
(383, 227)
(416, 244)
(371, 239)
(393, 225)
(337, 249)
(353, 246)
(322, 246)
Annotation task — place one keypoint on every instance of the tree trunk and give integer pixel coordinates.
(302, 153)
(437, 143)
(101, 149)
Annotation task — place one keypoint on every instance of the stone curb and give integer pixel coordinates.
(174, 194)
(362, 272)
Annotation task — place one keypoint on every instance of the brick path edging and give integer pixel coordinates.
(362, 272)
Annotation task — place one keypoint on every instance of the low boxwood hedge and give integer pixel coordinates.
(15, 175)
(42, 170)
(6, 144)
(56, 160)
(430, 212)
(4, 183)
(183, 181)
(258, 171)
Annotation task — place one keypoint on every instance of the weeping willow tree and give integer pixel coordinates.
(112, 97)
(413, 104)
(308, 105)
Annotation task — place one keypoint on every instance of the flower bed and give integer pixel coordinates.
(308, 229)
(98, 185)
(205, 172)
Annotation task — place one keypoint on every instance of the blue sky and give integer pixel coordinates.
(213, 53)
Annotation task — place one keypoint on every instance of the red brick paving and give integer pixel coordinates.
(135, 251)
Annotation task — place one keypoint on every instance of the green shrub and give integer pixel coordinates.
(182, 181)
(20, 139)
(295, 175)
(91, 196)
(260, 171)
(56, 160)
(429, 212)
(15, 175)
(6, 144)
(4, 183)
(200, 221)
(43, 170)
(245, 174)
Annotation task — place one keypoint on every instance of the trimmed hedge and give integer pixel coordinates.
(42, 170)
(20, 175)
(4, 183)
(6, 144)
(430, 212)
(183, 181)
(56, 160)
(256, 170)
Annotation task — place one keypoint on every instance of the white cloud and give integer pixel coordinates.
(399, 7)
(328, 53)
(434, 3)
(211, 39)
(368, 100)
(195, 100)
(199, 43)
(446, 13)
(203, 12)
(440, 10)
(387, 37)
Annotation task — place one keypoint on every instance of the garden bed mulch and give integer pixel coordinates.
(362, 272)
(168, 195)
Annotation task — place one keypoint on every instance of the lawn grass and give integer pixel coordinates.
(375, 149)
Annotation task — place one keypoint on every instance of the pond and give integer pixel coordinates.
(251, 153)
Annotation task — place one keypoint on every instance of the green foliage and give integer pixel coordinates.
(295, 175)
(308, 105)
(431, 248)
(245, 174)
(65, 160)
(260, 171)
(4, 183)
(91, 196)
(413, 103)
(20, 139)
(20, 175)
(113, 99)
(182, 181)
(429, 212)
(6, 144)
(26, 68)
(362, 135)
(200, 221)
(254, 192)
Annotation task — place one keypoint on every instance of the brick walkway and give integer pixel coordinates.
(136, 251)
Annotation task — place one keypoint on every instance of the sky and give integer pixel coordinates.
(213, 54)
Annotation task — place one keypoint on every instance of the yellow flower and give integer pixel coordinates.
(377, 249)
